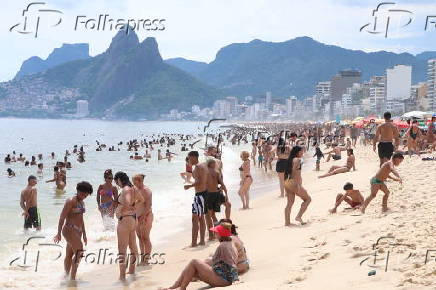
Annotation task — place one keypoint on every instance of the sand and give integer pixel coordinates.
(327, 252)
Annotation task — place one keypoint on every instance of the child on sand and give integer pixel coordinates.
(378, 181)
(352, 196)
(319, 155)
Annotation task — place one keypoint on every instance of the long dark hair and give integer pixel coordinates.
(124, 179)
(292, 155)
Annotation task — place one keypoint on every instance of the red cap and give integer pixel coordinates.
(222, 231)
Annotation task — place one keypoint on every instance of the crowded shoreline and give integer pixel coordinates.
(268, 209)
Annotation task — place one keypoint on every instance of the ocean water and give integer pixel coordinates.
(171, 203)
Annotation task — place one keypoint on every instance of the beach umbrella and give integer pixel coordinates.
(401, 124)
(359, 124)
(415, 114)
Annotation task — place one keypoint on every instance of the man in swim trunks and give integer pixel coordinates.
(144, 216)
(335, 153)
(28, 203)
(352, 196)
(378, 181)
(199, 174)
(214, 198)
(385, 134)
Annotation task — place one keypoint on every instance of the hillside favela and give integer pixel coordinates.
(199, 144)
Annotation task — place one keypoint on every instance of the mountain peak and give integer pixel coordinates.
(123, 41)
(67, 52)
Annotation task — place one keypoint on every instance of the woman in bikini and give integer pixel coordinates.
(107, 194)
(126, 228)
(246, 180)
(73, 228)
(242, 263)
(294, 185)
(413, 135)
(282, 151)
(223, 271)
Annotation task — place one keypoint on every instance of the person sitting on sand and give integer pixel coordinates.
(223, 271)
(350, 164)
(378, 181)
(352, 196)
(242, 265)
(335, 153)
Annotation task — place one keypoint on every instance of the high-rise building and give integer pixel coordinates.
(418, 98)
(268, 100)
(291, 105)
(431, 83)
(322, 95)
(233, 103)
(343, 80)
(377, 94)
(398, 82)
(338, 86)
(82, 109)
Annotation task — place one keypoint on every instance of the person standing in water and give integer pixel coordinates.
(126, 228)
(59, 177)
(246, 180)
(72, 226)
(107, 194)
(294, 185)
(144, 218)
(29, 204)
(198, 205)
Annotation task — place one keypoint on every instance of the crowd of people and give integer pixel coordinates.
(130, 202)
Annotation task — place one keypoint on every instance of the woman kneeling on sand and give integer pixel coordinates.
(223, 271)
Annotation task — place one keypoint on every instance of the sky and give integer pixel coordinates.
(197, 29)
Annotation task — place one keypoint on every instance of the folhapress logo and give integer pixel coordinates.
(36, 15)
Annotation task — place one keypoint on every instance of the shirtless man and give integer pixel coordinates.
(144, 216)
(385, 134)
(28, 203)
(335, 153)
(198, 206)
(214, 198)
(378, 181)
(350, 164)
(352, 196)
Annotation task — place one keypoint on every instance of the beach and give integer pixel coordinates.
(335, 248)
(330, 248)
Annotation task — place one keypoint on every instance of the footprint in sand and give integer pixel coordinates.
(296, 277)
